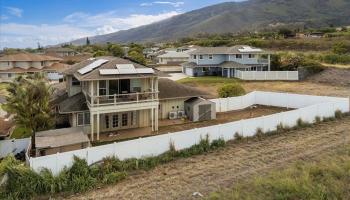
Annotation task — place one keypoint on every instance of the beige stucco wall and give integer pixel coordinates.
(6, 65)
(166, 106)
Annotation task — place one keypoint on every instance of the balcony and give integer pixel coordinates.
(121, 99)
(263, 61)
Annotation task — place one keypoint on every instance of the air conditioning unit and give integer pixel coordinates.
(181, 114)
(172, 115)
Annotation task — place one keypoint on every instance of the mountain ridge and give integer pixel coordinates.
(251, 15)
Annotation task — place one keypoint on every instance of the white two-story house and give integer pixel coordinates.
(223, 61)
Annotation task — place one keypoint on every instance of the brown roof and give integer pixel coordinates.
(76, 103)
(169, 89)
(222, 50)
(28, 57)
(95, 74)
(60, 137)
(5, 127)
(58, 67)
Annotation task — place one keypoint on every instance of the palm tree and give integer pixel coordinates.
(29, 101)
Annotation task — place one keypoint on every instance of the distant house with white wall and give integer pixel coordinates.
(223, 61)
(14, 65)
(60, 51)
(171, 60)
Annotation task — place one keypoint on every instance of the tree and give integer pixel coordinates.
(29, 101)
(87, 41)
(231, 90)
(340, 48)
(137, 57)
(116, 50)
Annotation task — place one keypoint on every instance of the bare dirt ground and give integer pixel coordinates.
(225, 167)
(331, 82)
(225, 117)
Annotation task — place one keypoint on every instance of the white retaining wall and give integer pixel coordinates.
(308, 108)
(267, 75)
(13, 146)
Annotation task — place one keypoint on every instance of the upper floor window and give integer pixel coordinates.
(42, 63)
(102, 87)
(75, 82)
(210, 56)
(194, 56)
(8, 63)
(238, 56)
(251, 56)
(200, 57)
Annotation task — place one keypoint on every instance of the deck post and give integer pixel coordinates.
(152, 119)
(92, 92)
(98, 126)
(92, 126)
(156, 119)
(269, 62)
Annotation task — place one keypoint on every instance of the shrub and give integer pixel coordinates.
(238, 137)
(259, 133)
(312, 66)
(317, 119)
(301, 123)
(114, 177)
(231, 90)
(215, 144)
(340, 48)
(338, 114)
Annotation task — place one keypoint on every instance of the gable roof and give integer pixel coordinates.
(76, 103)
(111, 64)
(224, 50)
(28, 57)
(169, 89)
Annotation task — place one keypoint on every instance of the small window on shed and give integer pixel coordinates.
(80, 119)
(75, 82)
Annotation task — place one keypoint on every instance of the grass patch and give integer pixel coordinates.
(327, 178)
(213, 80)
(20, 132)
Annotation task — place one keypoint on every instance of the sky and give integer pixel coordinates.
(25, 23)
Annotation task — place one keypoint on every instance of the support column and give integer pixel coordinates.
(152, 119)
(98, 126)
(269, 62)
(92, 126)
(156, 119)
(156, 88)
(92, 92)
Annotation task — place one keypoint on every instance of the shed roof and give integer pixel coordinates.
(169, 89)
(60, 137)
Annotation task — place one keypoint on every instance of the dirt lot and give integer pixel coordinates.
(225, 167)
(226, 117)
(332, 82)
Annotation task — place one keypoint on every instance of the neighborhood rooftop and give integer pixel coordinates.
(28, 57)
(238, 49)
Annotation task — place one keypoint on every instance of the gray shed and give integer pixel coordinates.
(199, 109)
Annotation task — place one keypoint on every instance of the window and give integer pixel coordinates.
(83, 119)
(205, 69)
(210, 57)
(9, 75)
(102, 87)
(75, 82)
(238, 56)
(201, 57)
(124, 119)
(251, 56)
(194, 56)
(106, 121)
(42, 63)
(8, 63)
(87, 118)
(115, 121)
(80, 119)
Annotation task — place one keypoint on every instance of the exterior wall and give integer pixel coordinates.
(170, 105)
(4, 65)
(245, 59)
(165, 61)
(217, 59)
(72, 89)
(192, 110)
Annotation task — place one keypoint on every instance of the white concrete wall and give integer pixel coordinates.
(308, 108)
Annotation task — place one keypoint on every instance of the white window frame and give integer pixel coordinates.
(210, 56)
(84, 122)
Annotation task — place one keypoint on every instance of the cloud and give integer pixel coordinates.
(73, 26)
(110, 21)
(14, 11)
(3, 17)
(174, 4)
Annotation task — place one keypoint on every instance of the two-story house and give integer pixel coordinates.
(115, 95)
(223, 61)
(27, 63)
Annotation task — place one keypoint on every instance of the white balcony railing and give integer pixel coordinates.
(118, 99)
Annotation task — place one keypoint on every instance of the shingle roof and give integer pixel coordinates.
(111, 64)
(28, 57)
(222, 50)
(60, 137)
(76, 103)
(169, 89)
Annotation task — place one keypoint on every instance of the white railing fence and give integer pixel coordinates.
(308, 108)
(267, 75)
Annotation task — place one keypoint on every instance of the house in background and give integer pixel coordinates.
(60, 51)
(14, 65)
(171, 60)
(223, 61)
(115, 95)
